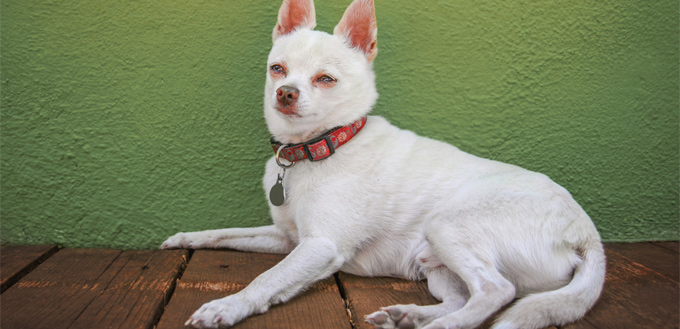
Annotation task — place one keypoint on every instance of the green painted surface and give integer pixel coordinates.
(124, 122)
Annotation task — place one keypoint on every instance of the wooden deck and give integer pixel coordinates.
(44, 287)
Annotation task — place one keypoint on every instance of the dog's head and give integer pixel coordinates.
(317, 81)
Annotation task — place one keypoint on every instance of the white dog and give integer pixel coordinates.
(367, 198)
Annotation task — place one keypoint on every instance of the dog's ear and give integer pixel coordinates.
(294, 14)
(359, 27)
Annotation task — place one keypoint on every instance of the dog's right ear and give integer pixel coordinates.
(294, 14)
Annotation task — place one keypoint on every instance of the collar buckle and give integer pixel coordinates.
(319, 148)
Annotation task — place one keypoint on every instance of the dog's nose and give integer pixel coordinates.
(287, 95)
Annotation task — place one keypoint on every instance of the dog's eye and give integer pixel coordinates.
(325, 79)
(277, 69)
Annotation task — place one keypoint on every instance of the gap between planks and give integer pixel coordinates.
(17, 261)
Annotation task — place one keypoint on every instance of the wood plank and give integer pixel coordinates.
(136, 296)
(110, 288)
(213, 274)
(56, 292)
(651, 255)
(366, 295)
(17, 261)
(673, 246)
(634, 296)
(87, 288)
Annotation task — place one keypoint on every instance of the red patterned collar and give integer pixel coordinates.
(321, 147)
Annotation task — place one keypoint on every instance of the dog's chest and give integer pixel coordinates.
(300, 185)
(284, 218)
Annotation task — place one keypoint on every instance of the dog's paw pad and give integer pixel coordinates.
(400, 317)
(396, 317)
(406, 323)
(380, 319)
(395, 312)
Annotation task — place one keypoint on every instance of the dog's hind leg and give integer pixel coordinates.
(488, 289)
(444, 285)
(266, 239)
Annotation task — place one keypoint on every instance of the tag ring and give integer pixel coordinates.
(278, 153)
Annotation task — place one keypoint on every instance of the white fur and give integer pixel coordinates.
(392, 203)
(310, 52)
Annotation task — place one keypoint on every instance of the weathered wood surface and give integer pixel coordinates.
(90, 288)
(216, 274)
(641, 288)
(366, 295)
(15, 262)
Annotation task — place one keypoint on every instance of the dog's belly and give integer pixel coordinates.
(390, 257)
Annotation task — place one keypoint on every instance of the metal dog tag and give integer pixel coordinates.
(277, 195)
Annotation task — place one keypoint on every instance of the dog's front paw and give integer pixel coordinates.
(178, 241)
(223, 313)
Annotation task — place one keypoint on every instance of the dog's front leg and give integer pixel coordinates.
(267, 239)
(312, 260)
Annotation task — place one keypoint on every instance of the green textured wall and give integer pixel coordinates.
(124, 122)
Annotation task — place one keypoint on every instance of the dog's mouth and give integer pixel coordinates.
(289, 111)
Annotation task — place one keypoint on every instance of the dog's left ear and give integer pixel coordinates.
(294, 14)
(359, 27)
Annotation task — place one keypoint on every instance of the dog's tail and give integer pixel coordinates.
(564, 305)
